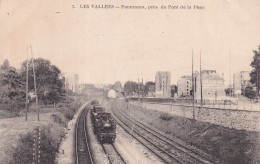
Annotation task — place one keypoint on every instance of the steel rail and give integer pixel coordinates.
(151, 143)
(90, 160)
(192, 153)
(87, 140)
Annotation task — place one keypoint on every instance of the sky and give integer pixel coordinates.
(108, 45)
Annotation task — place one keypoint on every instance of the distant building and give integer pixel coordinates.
(151, 91)
(241, 80)
(72, 82)
(184, 86)
(163, 84)
(81, 88)
(212, 85)
(111, 93)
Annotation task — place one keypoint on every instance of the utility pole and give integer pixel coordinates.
(257, 77)
(201, 95)
(230, 77)
(26, 103)
(138, 91)
(35, 88)
(193, 111)
(142, 88)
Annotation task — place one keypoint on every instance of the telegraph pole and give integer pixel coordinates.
(35, 88)
(138, 91)
(193, 111)
(201, 95)
(230, 77)
(257, 73)
(257, 77)
(142, 88)
(26, 104)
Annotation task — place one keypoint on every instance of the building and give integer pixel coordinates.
(72, 82)
(151, 91)
(163, 84)
(212, 85)
(184, 86)
(111, 94)
(241, 80)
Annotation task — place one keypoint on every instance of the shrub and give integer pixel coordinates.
(24, 150)
(165, 117)
(57, 118)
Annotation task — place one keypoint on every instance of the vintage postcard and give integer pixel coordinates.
(129, 81)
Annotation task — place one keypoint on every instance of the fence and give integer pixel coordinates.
(251, 105)
(237, 119)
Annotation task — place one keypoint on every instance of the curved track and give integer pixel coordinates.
(112, 154)
(183, 151)
(83, 153)
(159, 152)
(177, 151)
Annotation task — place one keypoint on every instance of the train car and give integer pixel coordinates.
(105, 127)
(93, 103)
(96, 109)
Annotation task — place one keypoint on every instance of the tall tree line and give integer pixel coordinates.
(50, 84)
(250, 92)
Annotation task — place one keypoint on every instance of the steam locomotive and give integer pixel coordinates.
(103, 123)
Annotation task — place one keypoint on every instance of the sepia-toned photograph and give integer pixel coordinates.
(129, 82)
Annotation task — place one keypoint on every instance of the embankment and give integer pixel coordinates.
(226, 144)
(16, 143)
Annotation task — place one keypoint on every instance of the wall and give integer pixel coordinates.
(237, 119)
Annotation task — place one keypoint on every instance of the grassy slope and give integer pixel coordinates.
(228, 145)
(11, 129)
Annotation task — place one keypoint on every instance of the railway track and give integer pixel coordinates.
(178, 152)
(112, 154)
(83, 154)
(159, 152)
(199, 155)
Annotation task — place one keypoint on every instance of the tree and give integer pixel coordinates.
(255, 73)
(173, 90)
(117, 86)
(48, 80)
(229, 91)
(5, 65)
(130, 87)
(11, 93)
(250, 92)
(146, 86)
